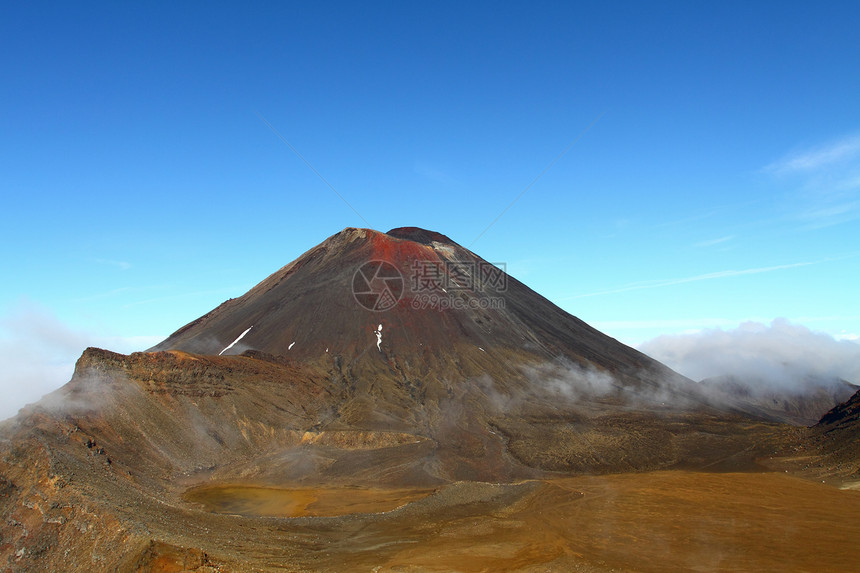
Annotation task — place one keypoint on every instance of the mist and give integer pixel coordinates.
(558, 382)
(780, 356)
(569, 381)
(38, 353)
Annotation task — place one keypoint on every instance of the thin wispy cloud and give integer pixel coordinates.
(193, 294)
(726, 209)
(808, 319)
(849, 184)
(121, 265)
(687, 220)
(831, 214)
(668, 323)
(659, 283)
(696, 324)
(713, 242)
(826, 181)
(101, 295)
(433, 173)
(116, 292)
(827, 155)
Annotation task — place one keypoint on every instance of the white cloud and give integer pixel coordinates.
(121, 265)
(38, 353)
(781, 354)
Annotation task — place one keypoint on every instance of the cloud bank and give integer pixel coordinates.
(780, 355)
(38, 354)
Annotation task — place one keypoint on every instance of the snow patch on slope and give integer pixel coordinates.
(229, 346)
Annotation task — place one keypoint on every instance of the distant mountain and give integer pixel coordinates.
(801, 403)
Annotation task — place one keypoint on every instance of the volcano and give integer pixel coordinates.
(381, 394)
(411, 301)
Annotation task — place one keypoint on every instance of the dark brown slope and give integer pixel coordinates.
(837, 435)
(307, 311)
(845, 416)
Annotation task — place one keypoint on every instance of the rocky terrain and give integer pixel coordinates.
(836, 439)
(296, 429)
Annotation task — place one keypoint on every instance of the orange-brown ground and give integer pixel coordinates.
(299, 502)
(658, 521)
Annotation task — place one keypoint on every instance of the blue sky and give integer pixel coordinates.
(714, 178)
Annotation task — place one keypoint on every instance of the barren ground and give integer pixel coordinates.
(657, 521)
